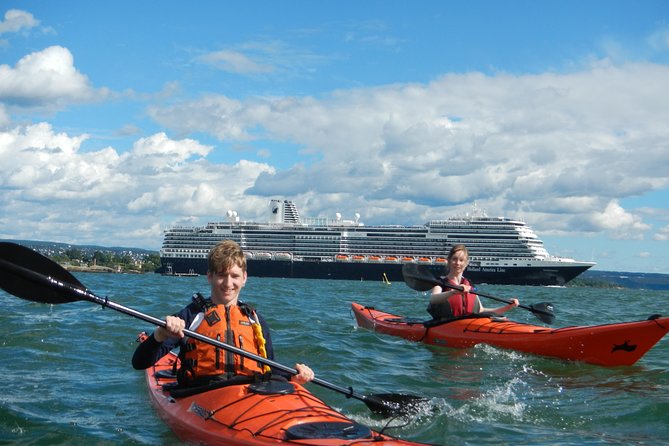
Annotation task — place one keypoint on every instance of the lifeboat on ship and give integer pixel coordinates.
(342, 258)
(283, 256)
(263, 256)
(357, 258)
(441, 261)
(424, 260)
(391, 259)
(374, 259)
(407, 259)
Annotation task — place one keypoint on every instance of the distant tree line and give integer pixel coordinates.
(125, 261)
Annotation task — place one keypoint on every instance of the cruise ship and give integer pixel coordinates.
(501, 250)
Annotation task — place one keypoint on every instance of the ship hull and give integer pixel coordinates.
(499, 275)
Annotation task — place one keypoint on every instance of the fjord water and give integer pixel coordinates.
(67, 377)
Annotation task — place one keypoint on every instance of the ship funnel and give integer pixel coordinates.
(283, 212)
(276, 211)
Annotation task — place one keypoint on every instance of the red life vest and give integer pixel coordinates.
(462, 304)
(233, 326)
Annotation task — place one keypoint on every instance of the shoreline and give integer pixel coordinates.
(98, 269)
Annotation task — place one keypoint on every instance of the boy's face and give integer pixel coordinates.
(226, 285)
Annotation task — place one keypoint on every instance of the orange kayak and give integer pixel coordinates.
(273, 412)
(607, 345)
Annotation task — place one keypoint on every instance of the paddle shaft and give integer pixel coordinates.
(420, 278)
(83, 294)
(443, 283)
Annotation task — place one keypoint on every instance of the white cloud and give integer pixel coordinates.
(225, 118)
(258, 59)
(235, 62)
(46, 79)
(17, 20)
(4, 116)
(659, 40)
(619, 222)
(157, 149)
(53, 189)
(560, 149)
(662, 234)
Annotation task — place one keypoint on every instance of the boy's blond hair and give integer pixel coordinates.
(224, 255)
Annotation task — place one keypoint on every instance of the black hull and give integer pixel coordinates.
(549, 275)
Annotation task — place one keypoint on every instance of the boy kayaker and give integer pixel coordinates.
(447, 303)
(223, 317)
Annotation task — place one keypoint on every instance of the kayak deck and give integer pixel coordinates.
(606, 345)
(269, 412)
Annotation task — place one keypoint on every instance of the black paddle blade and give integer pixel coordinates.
(393, 404)
(544, 312)
(418, 277)
(27, 273)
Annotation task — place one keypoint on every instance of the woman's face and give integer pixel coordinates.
(458, 262)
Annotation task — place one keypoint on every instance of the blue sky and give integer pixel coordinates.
(120, 119)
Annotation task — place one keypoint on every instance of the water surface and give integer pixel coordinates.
(68, 378)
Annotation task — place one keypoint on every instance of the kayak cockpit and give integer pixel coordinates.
(328, 429)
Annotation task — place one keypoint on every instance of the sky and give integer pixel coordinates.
(121, 119)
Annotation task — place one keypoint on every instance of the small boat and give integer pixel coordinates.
(375, 259)
(391, 259)
(440, 260)
(190, 273)
(385, 279)
(606, 345)
(263, 256)
(408, 259)
(250, 414)
(358, 258)
(342, 258)
(424, 260)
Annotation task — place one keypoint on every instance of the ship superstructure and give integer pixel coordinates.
(502, 250)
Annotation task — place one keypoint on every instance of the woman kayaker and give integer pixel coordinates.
(223, 317)
(447, 303)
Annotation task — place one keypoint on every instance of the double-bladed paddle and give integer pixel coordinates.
(421, 278)
(29, 275)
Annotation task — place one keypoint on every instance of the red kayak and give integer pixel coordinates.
(606, 345)
(251, 414)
